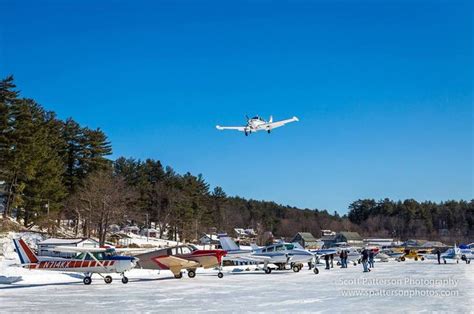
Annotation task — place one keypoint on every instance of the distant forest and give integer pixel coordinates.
(52, 169)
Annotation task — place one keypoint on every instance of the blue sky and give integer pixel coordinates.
(384, 90)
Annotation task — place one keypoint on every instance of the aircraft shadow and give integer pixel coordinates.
(151, 279)
(40, 285)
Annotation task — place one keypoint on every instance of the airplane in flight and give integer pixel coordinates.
(182, 257)
(280, 255)
(256, 124)
(89, 261)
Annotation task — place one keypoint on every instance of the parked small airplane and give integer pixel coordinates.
(280, 254)
(453, 254)
(182, 257)
(89, 261)
(256, 124)
(467, 252)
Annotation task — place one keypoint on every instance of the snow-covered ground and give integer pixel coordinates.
(390, 287)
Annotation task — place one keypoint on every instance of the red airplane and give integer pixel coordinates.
(182, 257)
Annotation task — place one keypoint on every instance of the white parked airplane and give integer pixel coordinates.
(256, 124)
(89, 261)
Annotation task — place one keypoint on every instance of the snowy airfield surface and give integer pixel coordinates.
(391, 287)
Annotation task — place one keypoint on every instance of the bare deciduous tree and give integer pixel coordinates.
(102, 200)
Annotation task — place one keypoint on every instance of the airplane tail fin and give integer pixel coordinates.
(27, 256)
(271, 119)
(228, 244)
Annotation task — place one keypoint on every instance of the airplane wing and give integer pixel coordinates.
(176, 262)
(247, 258)
(238, 128)
(277, 124)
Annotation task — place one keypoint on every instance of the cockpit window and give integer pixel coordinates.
(192, 247)
(280, 248)
(289, 246)
(185, 250)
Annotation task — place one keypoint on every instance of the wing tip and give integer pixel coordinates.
(296, 118)
(219, 127)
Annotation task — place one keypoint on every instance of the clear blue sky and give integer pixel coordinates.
(384, 90)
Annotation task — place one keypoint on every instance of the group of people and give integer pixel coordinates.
(367, 260)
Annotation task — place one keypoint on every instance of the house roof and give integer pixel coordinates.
(131, 228)
(64, 241)
(351, 235)
(306, 236)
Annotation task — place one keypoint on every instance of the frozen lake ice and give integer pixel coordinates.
(391, 287)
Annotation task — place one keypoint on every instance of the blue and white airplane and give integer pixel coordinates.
(280, 255)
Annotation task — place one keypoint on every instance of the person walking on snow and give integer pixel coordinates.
(371, 259)
(365, 258)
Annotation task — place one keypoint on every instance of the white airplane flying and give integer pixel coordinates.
(88, 261)
(256, 124)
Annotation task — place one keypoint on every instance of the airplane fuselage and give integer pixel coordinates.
(116, 264)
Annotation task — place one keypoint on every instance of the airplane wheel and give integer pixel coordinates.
(316, 270)
(268, 271)
(457, 261)
(296, 269)
(87, 280)
(108, 279)
(191, 273)
(445, 261)
(416, 259)
(422, 259)
(178, 276)
(402, 258)
(124, 280)
(220, 275)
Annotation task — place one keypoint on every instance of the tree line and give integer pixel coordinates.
(52, 169)
(449, 221)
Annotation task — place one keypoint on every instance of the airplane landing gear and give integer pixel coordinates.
(296, 268)
(124, 280)
(178, 276)
(108, 279)
(191, 273)
(246, 133)
(220, 275)
(268, 270)
(87, 280)
(316, 270)
(269, 131)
